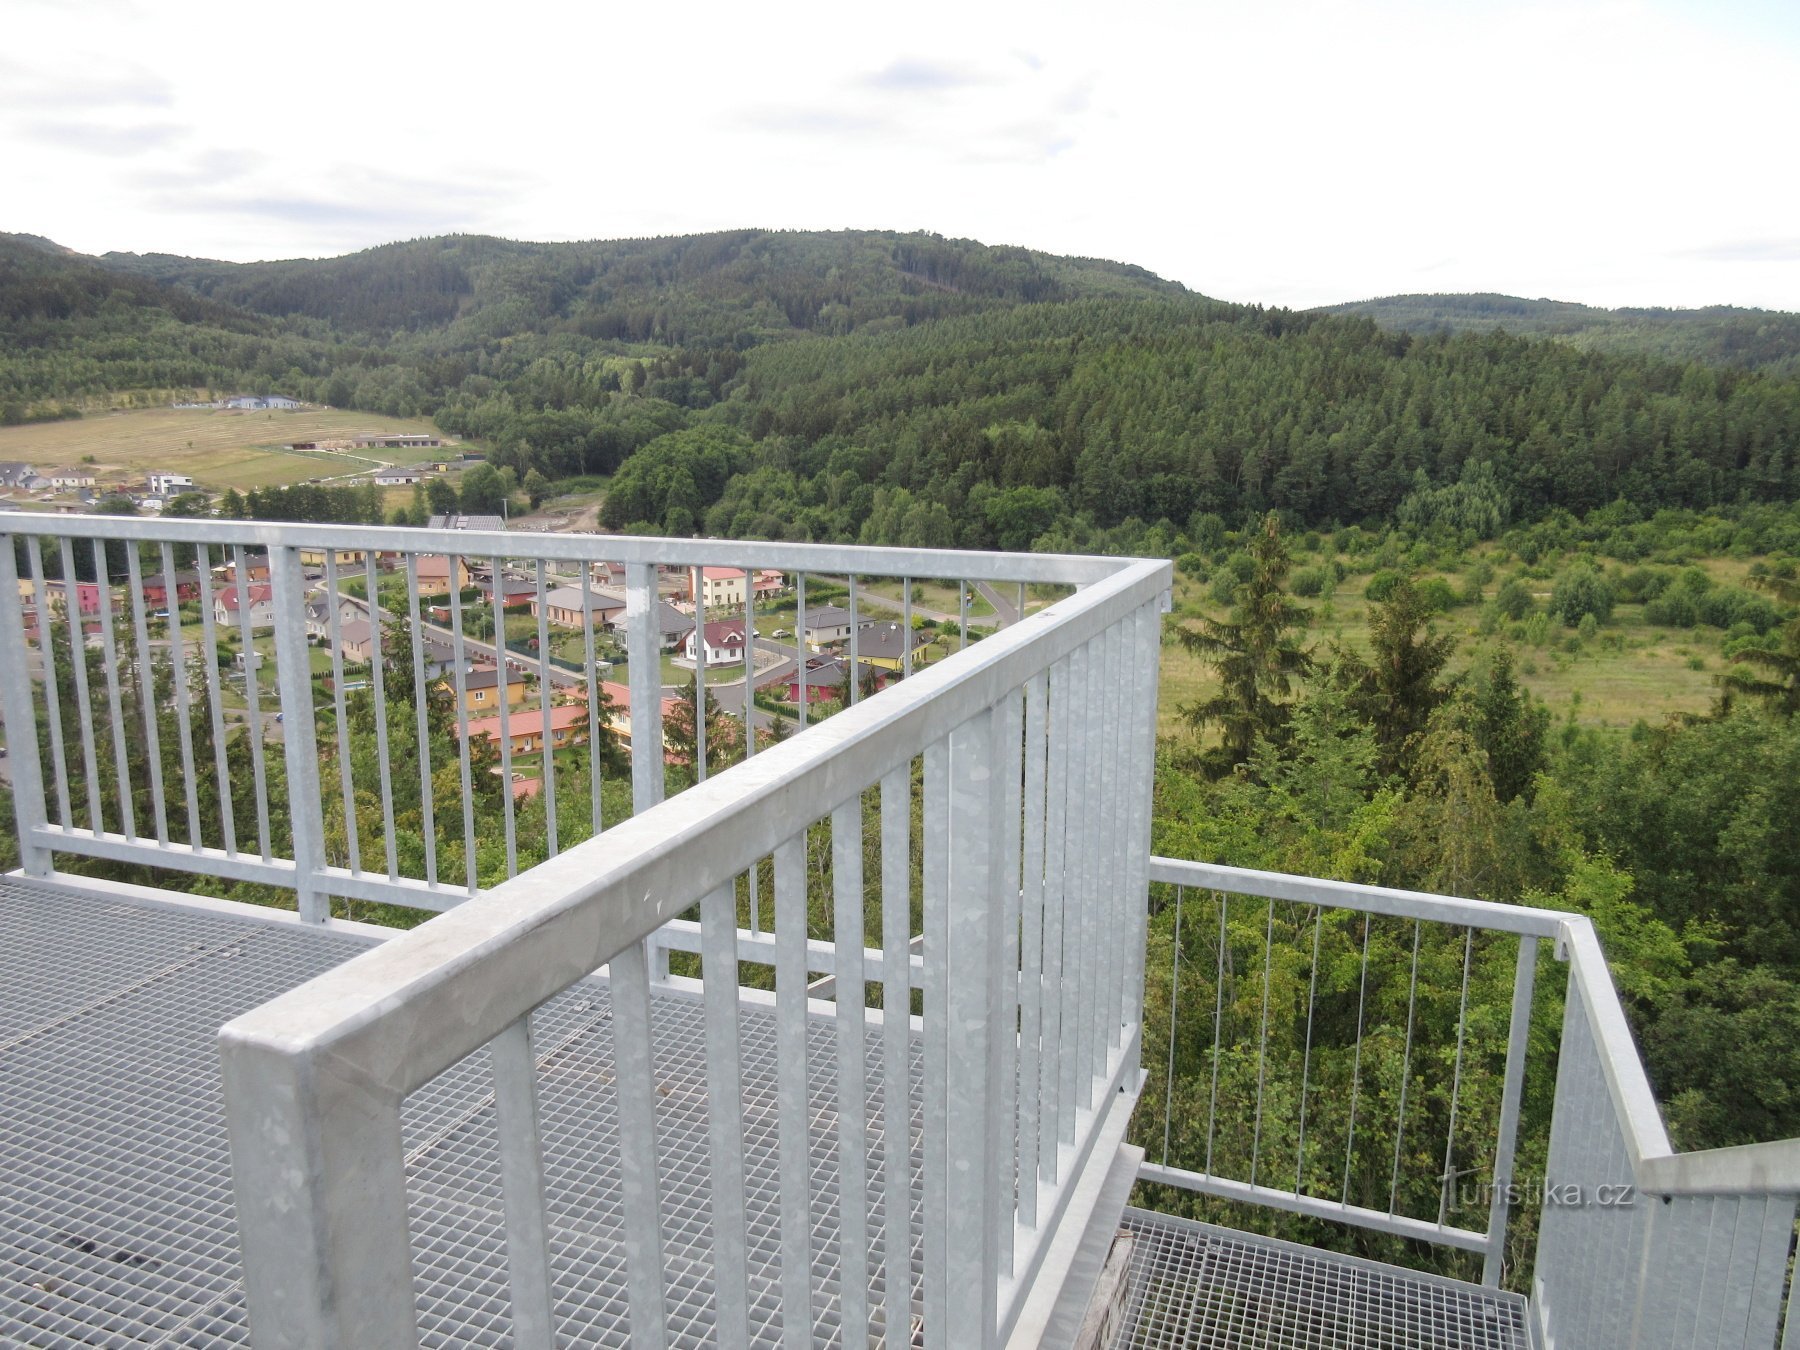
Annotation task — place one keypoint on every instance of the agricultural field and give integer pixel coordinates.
(218, 448)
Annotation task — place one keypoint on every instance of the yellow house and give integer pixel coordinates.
(435, 572)
(343, 557)
(884, 645)
(481, 690)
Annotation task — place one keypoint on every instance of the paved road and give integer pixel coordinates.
(1006, 610)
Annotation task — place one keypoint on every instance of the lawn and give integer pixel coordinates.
(217, 448)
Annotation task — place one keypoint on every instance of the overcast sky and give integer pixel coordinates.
(1296, 153)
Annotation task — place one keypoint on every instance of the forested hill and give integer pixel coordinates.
(1753, 339)
(904, 388)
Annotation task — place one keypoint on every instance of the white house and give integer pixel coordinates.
(168, 484)
(825, 624)
(722, 586)
(724, 644)
(61, 480)
(228, 602)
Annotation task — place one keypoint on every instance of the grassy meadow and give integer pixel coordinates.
(1629, 670)
(218, 448)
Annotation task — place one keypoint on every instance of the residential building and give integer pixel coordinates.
(566, 605)
(156, 588)
(341, 557)
(886, 644)
(720, 586)
(229, 600)
(436, 571)
(481, 689)
(724, 642)
(67, 480)
(823, 625)
(514, 591)
(396, 475)
(259, 402)
(356, 640)
(825, 679)
(16, 475)
(318, 615)
(168, 484)
(566, 725)
(460, 522)
(87, 596)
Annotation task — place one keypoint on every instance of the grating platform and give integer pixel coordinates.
(1196, 1285)
(116, 1224)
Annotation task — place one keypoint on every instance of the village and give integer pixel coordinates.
(513, 643)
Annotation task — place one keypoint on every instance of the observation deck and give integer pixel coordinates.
(839, 1045)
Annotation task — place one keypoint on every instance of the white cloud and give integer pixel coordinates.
(1299, 152)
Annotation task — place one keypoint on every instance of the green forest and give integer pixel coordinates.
(1385, 521)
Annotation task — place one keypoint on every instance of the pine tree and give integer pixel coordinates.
(1255, 651)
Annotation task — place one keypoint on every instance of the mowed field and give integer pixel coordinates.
(219, 449)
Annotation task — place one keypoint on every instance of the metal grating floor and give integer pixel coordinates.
(1196, 1285)
(116, 1223)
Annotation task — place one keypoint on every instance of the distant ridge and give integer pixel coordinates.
(1724, 335)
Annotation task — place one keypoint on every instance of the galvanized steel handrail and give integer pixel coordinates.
(314, 1080)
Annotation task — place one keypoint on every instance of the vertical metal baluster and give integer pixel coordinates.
(725, 1122)
(962, 614)
(1412, 995)
(516, 1121)
(634, 1062)
(146, 688)
(1003, 1078)
(800, 640)
(906, 627)
(973, 947)
(749, 664)
(252, 696)
(1462, 1026)
(25, 771)
(346, 783)
(1174, 993)
(1362, 998)
(114, 703)
(1262, 1045)
(1057, 1127)
(1212, 1106)
(293, 671)
(546, 696)
(1078, 941)
(1021, 602)
(1031, 953)
(896, 1045)
(1142, 776)
(460, 682)
(378, 682)
(697, 584)
(78, 669)
(595, 824)
(209, 662)
(936, 830)
(630, 975)
(1109, 1007)
(183, 713)
(794, 1109)
(852, 1047)
(645, 666)
(855, 671)
(421, 702)
(1089, 1057)
(52, 694)
(1518, 1043)
(503, 676)
(1312, 990)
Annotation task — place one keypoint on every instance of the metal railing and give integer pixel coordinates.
(1018, 775)
(1335, 1038)
(144, 762)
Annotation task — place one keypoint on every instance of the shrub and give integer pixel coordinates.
(1674, 608)
(1514, 600)
(1310, 581)
(1642, 584)
(1437, 594)
(1381, 586)
(1191, 565)
(1581, 590)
